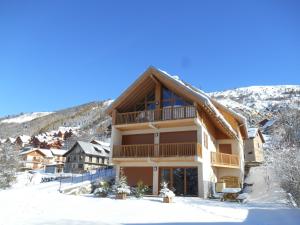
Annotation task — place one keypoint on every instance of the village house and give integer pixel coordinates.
(86, 156)
(254, 147)
(36, 158)
(22, 140)
(164, 129)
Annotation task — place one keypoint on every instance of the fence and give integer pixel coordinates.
(68, 179)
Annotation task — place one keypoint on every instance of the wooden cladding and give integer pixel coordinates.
(178, 137)
(222, 159)
(157, 150)
(136, 139)
(167, 113)
(225, 148)
(137, 174)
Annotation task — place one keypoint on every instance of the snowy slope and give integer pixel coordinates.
(40, 204)
(25, 117)
(88, 117)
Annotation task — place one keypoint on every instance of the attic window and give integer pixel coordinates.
(147, 103)
(169, 98)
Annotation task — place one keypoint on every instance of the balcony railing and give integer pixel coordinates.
(167, 113)
(222, 159)
(157, 150)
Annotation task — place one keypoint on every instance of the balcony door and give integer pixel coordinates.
(183, 181)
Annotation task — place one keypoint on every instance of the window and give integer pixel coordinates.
(205, 138)
(97, 159)
(80, 166)
(171, 99)
(147, 103)
(103, 160)
(90, 159)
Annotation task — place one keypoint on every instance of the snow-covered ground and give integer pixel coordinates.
(43, 204)
(25, 117)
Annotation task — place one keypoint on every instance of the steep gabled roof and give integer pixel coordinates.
(90, 149)
(147, 81)
(46, 152)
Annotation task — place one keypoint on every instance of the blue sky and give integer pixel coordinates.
(56, 54)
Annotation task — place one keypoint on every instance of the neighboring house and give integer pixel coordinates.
(254, 154)
(36, 158)
(22, 140)
(85, 156)
(164, 129)
(46, 142)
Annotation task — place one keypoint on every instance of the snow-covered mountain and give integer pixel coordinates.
(25, 117)
(90, 118)
(257, 103)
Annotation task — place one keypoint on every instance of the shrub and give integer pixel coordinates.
(121, 187)
(102, 190)
(140, 189)
(165, 192)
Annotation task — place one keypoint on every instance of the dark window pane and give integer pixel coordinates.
(192, 181)
(165, 175)
(140, 107)
(150, 106)
(178, 181)
(167, 103)
(167, 94)
(151, 96)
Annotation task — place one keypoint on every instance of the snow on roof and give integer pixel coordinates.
(92, 149)
(105, 145)
(268, 124)
(252, 132)
(11, 140)
(58, 152)
(46, 152)
(25, 138)
(204, 97)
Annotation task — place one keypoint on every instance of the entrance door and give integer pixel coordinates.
(183, 181)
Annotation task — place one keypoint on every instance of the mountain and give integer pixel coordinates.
(258, 103)
(22, 118)
(90, 118)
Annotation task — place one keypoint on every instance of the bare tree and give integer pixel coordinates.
(9, 163)
(283, 155)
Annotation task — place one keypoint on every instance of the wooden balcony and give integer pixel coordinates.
(157, 150)
(164, 114)
(225, 160)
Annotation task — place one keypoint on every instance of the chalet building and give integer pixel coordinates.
(36, 158)
(45, 142)
(164, 129)
(85, 156)
(254, 147)
(22, 140)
